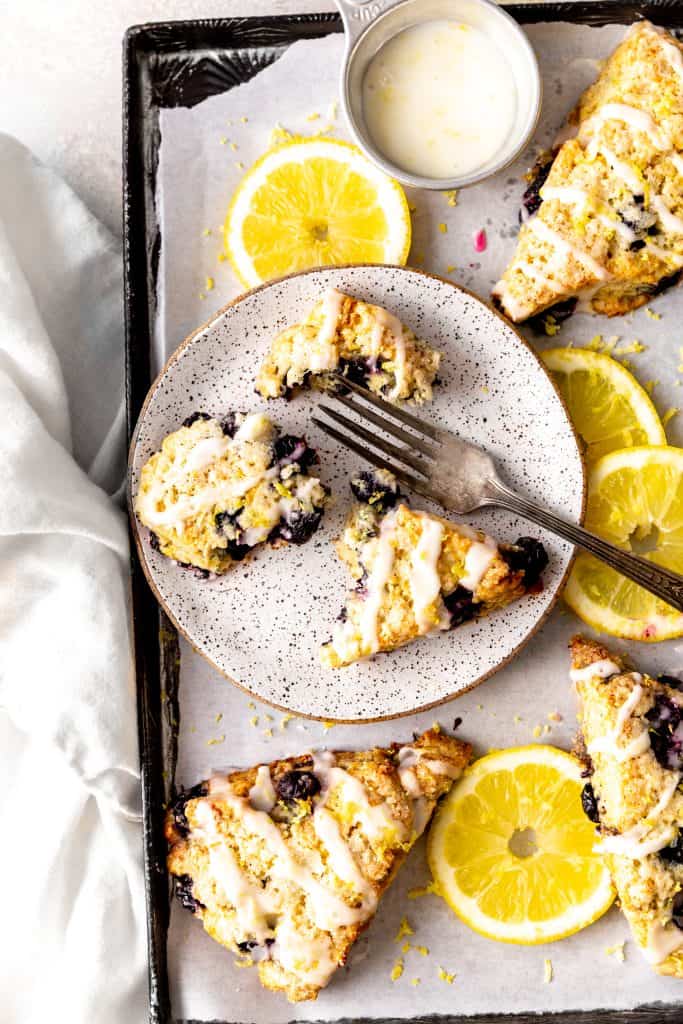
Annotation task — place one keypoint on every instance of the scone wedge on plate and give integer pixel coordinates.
(284, 864)
(364, 342)
(604, 212)
(417, 573)
(632, 743)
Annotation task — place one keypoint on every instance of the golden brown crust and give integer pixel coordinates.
(376, 854)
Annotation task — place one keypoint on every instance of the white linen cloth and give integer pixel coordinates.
(73, 935)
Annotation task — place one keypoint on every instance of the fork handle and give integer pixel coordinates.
(664, 584)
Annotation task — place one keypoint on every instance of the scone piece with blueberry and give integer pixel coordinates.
(417, 573)
(284, 864)
(216, 489)
(603, 217)
(632, 746)
(363, 342)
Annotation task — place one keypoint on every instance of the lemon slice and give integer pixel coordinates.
(635, 500)
(511, 850)
(312, 203)
(608, 407)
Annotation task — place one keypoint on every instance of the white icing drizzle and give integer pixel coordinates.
(620, 167)
(205, 452)
(340, 858)
(328, 911)
(633, 843)
(662, 942)
(306, 956)
(251, 902)
(574, 196)
(399, 363)
(599, 669)
(609, 744)
(262, 795)
(382, 568)
(323, 354)
(374, 819)
(408, 759)
(639, 120)
(425, 582)
(669, 220)
(552, 238)
(478, 558)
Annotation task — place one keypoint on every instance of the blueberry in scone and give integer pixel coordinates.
(363, 342)
(285, 864)
(417, 573)
(602, 227)
(632, 744)
(216, 489)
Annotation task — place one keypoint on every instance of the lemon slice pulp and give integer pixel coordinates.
(310, 203)
(635, 500)
(607, 405)
(511, 850)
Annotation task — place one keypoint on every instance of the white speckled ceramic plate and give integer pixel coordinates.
(262, 623)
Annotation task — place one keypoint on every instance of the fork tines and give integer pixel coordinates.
(416, 449)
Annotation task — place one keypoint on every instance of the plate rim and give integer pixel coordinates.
(136, 530)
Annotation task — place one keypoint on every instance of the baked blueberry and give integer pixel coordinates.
(288, 449)
(589, 803)
(547, 322)
(526, 555)
(673, 681)
(298, 784)
(183, 891)
(666, 282)
(673, 853)
(230, 423)
(677, 910)
(460, 605)
(376, 487)
(356, 370)
(666, 732)
(195, 417)
(531, 200)
(299, 526)
(177, 807)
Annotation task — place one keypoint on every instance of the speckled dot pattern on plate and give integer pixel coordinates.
(262, 623)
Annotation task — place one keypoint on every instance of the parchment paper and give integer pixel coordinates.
(222, 727)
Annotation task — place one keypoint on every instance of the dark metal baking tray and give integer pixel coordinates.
(170, 64)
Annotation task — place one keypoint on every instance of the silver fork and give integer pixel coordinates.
(462, 478)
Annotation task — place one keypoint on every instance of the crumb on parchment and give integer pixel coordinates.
(403, 930)
(397, 969)
(617, 951)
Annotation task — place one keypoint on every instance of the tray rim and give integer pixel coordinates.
(146, 48)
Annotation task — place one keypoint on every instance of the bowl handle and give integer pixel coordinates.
(357, 15)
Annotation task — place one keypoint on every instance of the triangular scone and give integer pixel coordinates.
(632, 735)
(418, 573)
(285, 864)
(364, 342)
(607, 228)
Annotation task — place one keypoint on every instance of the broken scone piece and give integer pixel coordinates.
(363, 342)
(417, 573)
(285, 864)
(632, 734)
(603, 215)
(218, 488)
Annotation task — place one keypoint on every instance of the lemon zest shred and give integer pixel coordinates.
(445, 976)
(403, 930)
(397, 969)
(547, 971)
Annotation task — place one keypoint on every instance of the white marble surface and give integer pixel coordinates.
(60, 80)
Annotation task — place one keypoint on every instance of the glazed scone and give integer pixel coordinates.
(632, 744)
(604, 223)
(364, 342)
(285, 863)
(217, 489)
(417, 573)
